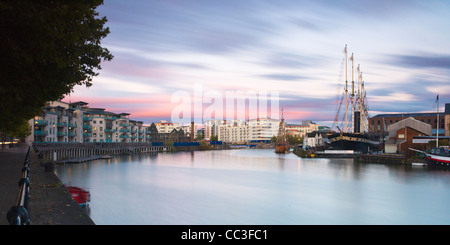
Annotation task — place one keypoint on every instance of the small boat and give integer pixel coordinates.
(281, 148)
(438, 157)
(80, 195)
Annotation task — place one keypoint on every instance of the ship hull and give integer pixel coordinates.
(281, 148)
(359, 143)
(440, 159)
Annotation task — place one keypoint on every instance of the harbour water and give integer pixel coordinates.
(258, 187)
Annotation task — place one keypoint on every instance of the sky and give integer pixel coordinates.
(295, 48)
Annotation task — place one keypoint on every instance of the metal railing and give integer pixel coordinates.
(18, 215)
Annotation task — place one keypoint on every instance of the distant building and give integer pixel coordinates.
(401, 134)
(379, 123)
(262, 129)
(211, 128)
(302, 129)
(313, 139)
(76, 122)
(233, 133)
(166, 127)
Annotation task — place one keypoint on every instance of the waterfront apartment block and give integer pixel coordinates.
(76, 122)
(235, 132)
(240, 131)
(262, 129)
(380, 123)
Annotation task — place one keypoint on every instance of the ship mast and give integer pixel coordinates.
(346, 91)
(282, 130)
(437, 128)
(353, 96)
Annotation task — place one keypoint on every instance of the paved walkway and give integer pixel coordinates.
(50, 202)
(11, 164)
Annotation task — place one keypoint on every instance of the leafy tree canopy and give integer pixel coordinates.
(46, 48)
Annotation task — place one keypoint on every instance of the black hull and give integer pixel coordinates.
(356, 142)
(433, 162)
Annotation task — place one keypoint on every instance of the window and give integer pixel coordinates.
(94, 122)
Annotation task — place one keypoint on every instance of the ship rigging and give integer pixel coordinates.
(354, 134)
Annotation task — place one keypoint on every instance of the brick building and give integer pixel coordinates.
(379, 123)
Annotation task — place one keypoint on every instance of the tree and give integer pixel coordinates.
(273, 139)
(46, 48)
(214, 138)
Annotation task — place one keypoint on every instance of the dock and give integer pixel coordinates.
(79, 159)
(381, 158)
(335, 154)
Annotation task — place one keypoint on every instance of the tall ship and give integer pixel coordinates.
(354, 133)
(282, 145)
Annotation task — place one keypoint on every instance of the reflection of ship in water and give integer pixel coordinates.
(356, 138)
(281, 145)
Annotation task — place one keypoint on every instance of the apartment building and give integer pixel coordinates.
(262, 129)
(235, 131)
(76, 122)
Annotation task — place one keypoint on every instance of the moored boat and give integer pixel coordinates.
(356, 137)
(80, 195)
(281, 145)
(359, 143)
(281, 148)
(439, 157)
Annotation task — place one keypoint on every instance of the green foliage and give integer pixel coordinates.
(46, 47)
(214, 138)
(204, 145)
(442, 142)
(273, 139)
(199, 136)
(294, 139)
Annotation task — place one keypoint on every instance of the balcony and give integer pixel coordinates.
(71, 125)
(87, 126)
(40, 133)
(123, 130)
(72, 134)
(40, 122)
(62, 134)
(87, 118)
(62, 124)
(86, 134)
(124, 136)
(124, 124)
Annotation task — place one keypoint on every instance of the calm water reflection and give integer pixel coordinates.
(258, 187)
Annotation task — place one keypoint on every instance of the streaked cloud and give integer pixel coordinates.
(294, 47)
